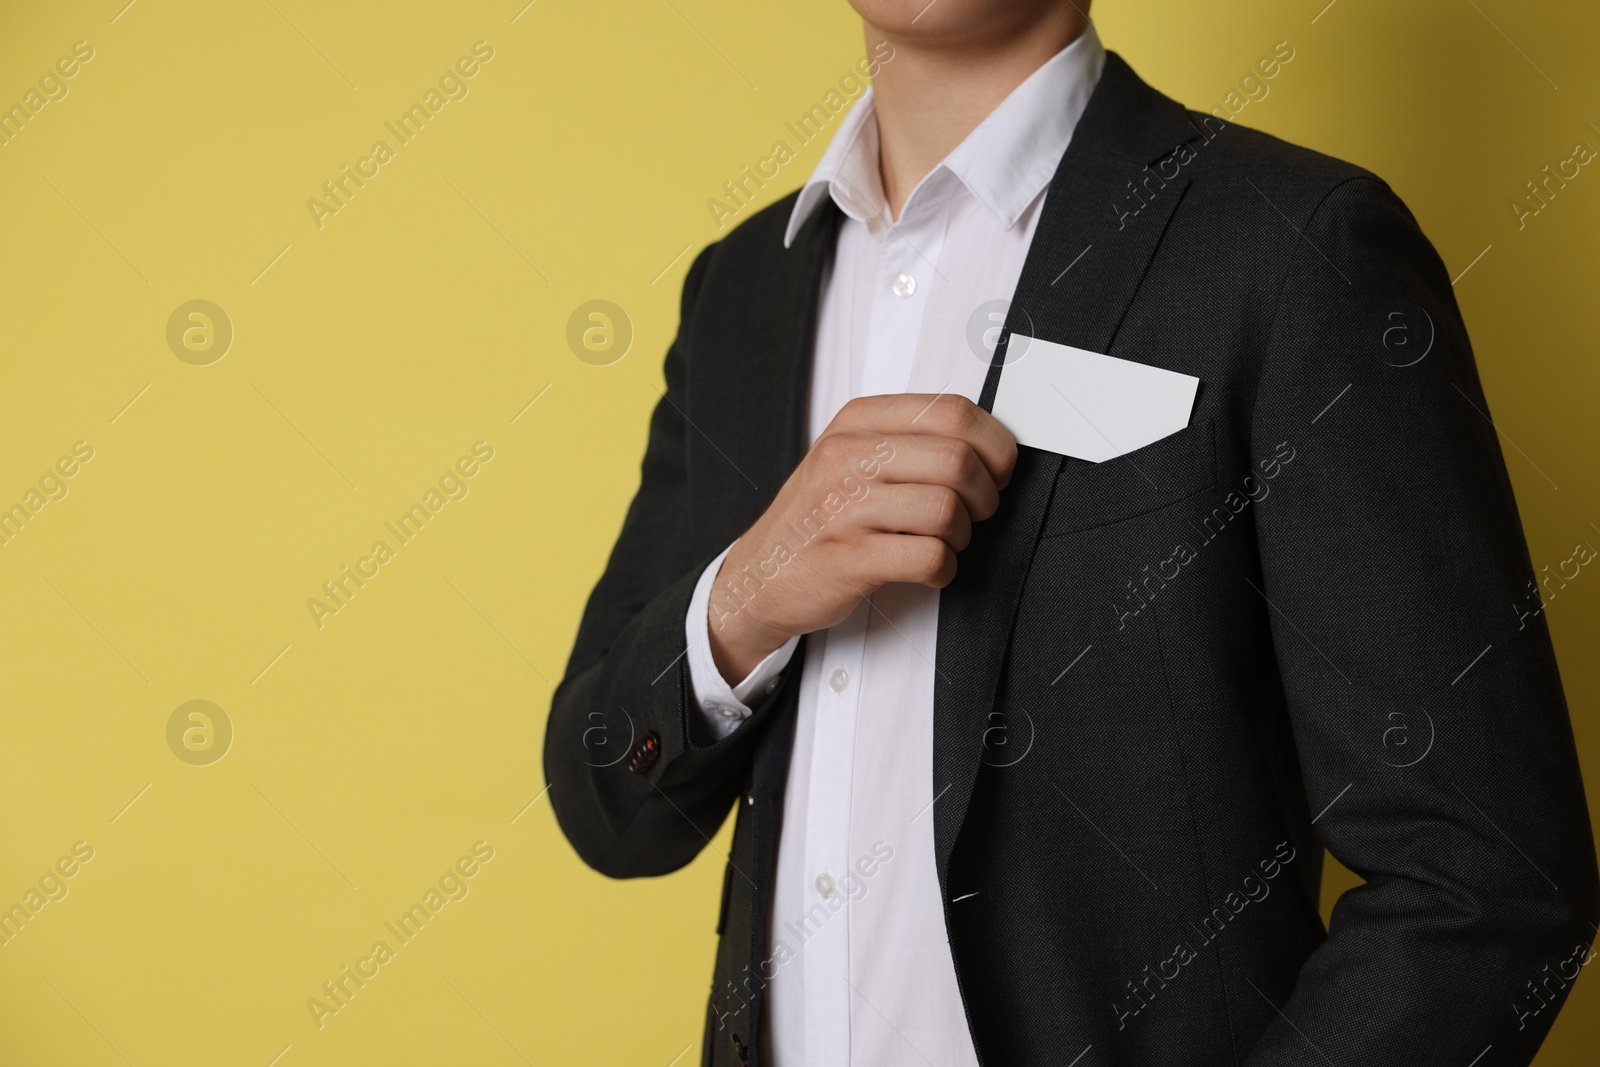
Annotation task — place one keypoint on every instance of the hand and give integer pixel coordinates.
(888, 493)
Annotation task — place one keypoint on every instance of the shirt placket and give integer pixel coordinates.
(899, 295)
(827, 951)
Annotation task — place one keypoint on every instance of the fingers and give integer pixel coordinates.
(929, 461)
(905, 558)
(921, 510)
(943, 415)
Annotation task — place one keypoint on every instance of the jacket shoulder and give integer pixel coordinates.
(1295, 179)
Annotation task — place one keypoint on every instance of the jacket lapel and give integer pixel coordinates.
(748, 414)
(1102, 219)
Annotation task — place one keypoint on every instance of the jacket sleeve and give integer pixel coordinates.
(1416, 664)
(631, 811)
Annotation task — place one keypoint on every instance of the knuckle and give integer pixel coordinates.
(850, 413)
(928, 557)
(944, 507)
(956, 460)
(835, 448)
(956, 413)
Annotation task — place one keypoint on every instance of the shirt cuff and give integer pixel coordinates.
(724, 707)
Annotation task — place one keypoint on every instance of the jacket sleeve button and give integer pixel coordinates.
(644, 753)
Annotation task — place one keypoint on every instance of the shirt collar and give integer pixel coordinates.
(1003, 163)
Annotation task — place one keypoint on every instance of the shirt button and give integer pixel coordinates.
(772, 686)
(825, 884)
(729, 711)
(904, 285)
(838, 680)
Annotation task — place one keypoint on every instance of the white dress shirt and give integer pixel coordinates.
(859, 969)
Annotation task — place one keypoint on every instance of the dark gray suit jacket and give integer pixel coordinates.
(1164, 682)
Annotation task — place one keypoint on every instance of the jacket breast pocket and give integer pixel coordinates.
(1088, 494)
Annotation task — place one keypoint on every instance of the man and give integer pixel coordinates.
(1034, 757)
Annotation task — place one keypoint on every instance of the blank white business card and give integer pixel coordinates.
(1083, 404)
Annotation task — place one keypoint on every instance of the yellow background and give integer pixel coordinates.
(425, 316)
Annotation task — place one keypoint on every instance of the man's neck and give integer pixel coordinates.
(934, 94)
